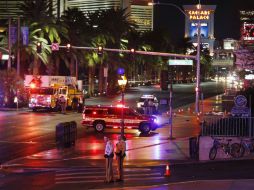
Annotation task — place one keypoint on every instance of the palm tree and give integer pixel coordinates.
(114, 25)
(38, 15)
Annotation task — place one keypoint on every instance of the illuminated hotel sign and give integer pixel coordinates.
(199, 14)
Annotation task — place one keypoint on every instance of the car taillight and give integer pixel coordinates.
(94, 112)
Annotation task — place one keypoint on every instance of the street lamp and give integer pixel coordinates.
(122, 83)
(198, 48)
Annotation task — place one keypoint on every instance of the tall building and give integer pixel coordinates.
(139, 11)
(9, 8)
(94, 5)
(142, 14)
(205, 16)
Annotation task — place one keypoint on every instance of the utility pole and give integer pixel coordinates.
(198, 70)
(18, 53)
(9, 44)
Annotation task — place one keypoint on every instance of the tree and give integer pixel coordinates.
(38, 15)
(112, 26)
(10, 84)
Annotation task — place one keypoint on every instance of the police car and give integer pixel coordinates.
(101, 117)
(140, 103)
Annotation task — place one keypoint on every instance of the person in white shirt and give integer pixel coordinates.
(109, 154)
(63, 104)
(120, 154)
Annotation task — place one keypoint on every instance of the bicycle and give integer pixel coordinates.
(246, 145)
(230, 149)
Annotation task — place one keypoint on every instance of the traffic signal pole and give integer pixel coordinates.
(136, 52)
(9, 44)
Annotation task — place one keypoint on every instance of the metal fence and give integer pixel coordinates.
(228, 126)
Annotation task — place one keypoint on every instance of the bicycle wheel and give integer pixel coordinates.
(236, 150)
(212, 153)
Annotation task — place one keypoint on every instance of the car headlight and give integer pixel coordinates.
(155, 120)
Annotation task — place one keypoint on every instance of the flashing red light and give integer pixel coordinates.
(94, 112)
(32, 85)
(120, 105)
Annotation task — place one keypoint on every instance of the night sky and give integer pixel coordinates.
(227, 21)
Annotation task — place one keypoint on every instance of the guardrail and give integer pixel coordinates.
(228, 126)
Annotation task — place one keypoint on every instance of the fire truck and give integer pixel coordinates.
(44, 91)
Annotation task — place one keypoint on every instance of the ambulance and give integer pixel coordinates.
(102, 117)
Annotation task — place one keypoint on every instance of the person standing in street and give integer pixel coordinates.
(63, 104)
(150, 107)
(109, 154)
(75, 103)
(146, 106)
(120, 154)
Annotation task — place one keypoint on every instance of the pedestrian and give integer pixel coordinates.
(150, 107)
(146, 106)
(63, 104)
(120, 154)
(58, 105)
(109, 154)
(75, 102)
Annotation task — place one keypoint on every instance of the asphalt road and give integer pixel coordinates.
(24, 133)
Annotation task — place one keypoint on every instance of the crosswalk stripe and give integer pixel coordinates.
(94, 172)
(79, 173)
(88, 177)
(101, 181)
(91, 169)
(97, 175)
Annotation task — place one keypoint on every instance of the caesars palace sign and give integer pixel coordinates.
(199, 14)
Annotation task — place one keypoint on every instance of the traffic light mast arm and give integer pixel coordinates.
(136, 52)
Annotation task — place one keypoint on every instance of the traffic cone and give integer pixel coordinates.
(167, 172)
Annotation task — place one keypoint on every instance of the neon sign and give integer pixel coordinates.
(199, 15)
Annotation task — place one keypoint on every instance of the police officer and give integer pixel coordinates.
(109, 154)
(120, 154)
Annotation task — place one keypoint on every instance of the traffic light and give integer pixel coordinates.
(100, 51)
(132, 50)
(38, 47)
(68, 47)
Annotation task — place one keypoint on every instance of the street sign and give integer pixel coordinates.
(120, 71)
(240, 108)
(240, 101)
(180, 62)
(55, 47)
